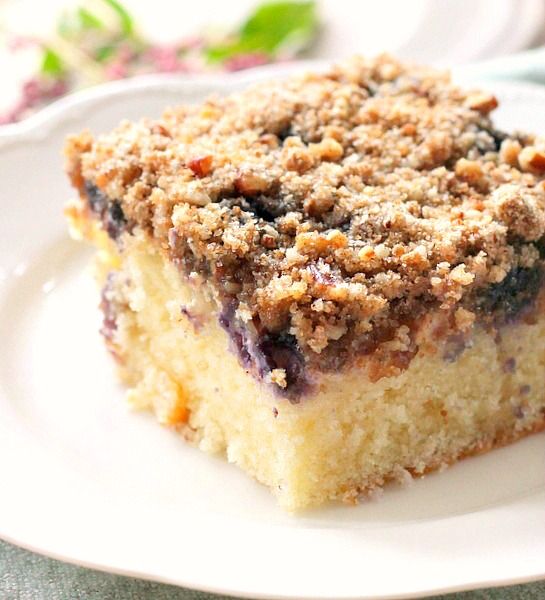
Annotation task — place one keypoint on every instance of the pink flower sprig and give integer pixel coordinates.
(89, 48)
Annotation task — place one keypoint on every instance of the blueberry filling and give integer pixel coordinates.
(96, 199)
(284, 133)
(261, 353)
(109, 211)
(540, 245)
(496, 137)
(508, 298)
(489, 139)
(237, 333)
(114, 220)
(266, 208)
(282, 352)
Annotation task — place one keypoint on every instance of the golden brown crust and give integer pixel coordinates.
(336, 206)
(504, 438)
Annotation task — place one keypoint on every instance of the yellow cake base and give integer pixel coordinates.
(352, 435)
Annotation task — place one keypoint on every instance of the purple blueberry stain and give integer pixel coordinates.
(454, 347)
(108, 211)
(114, 220)
(511, 296)
(195, 319)
(96, 199)
(259, 354)
(518, 411)
(109, 310)
(510, 365)
(237, 334)
(282, 352)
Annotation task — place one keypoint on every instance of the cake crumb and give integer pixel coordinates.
(278, 376)
(464, 319)
(404, 477)
(351, 497)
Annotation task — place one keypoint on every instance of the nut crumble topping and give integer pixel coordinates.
(334, 208)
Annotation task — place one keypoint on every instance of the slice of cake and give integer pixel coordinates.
(336, 280)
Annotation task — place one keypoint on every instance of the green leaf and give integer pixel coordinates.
(275, 22)
(125, 19)
(72, 24)
(274, 26)
(88, 20)
(52, 64)
(103, 53)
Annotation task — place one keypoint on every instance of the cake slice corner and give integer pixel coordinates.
(336, 280)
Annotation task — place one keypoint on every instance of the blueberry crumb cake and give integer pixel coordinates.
(336, 279)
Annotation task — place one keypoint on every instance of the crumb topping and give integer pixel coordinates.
(334, 208)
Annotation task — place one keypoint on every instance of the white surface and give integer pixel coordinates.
(448, 32)
(84, 479)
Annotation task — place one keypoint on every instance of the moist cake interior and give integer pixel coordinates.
(351, 436)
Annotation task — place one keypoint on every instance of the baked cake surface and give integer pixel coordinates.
(361, 252)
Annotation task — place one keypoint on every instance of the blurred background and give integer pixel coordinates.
(49, 48)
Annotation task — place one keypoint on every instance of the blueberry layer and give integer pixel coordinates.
(108, 211)
(261, 353)
(514, 295)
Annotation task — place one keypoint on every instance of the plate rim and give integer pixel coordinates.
(125, 572)
(52, 112)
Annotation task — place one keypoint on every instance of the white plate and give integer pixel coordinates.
(85, 480)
